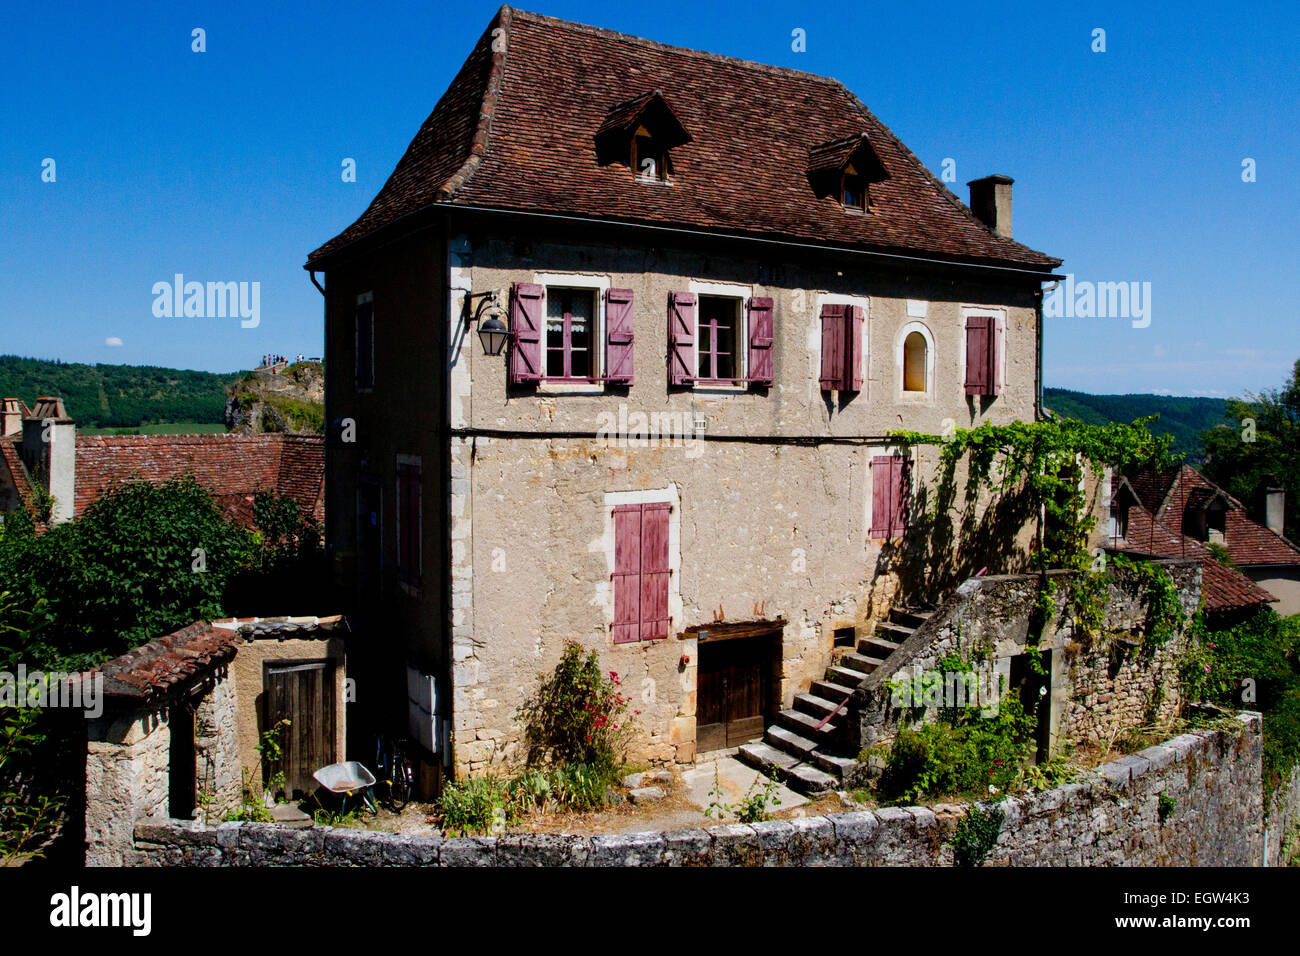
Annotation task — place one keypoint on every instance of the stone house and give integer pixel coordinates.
(40, 447)
(722, 285)
(1180, 513)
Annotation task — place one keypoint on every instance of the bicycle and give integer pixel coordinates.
(395, 770)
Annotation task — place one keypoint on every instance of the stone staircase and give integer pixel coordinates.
(813, 759)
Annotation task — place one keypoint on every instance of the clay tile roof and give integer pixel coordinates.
(1224, 588)
(233, 467)
(516, 131)
(837, 153)
(11, 461)
(168, 663)
(1170, 494)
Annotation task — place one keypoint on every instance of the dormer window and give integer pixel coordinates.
(641, 132)
(844, 169)
(649, 159)
(853, 189)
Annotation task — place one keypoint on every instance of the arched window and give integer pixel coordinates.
(915, 361)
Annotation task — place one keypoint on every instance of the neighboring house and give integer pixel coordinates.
(725, 284)
(40, 449)
(1180, 513)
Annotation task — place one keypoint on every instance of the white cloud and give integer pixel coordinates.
(113, 341)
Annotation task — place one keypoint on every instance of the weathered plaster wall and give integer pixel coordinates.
(766, 528)
(1283, 584)
(249, 669)
(1110, 819)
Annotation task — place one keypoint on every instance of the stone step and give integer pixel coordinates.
(815, 706)
(835, 765)
(830, 690)
(861, 662)
(887, 633)
(845, 675)
(910, 617)
(794, 744)
(877, 647)
(806, 725)
(796, 774)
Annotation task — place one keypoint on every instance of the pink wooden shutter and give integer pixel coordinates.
(832, 375)
(881, 495)
(977, 355)
(997, 333)
(681, 338)
(618, 335)
(760, 341)
(627, 573)
(655, 572)
(855, 328)
(526, 332)
(898, 475)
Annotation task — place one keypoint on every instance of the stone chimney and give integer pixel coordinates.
(1274, 508)
(49, 451)
(990, 201)
(14, 410)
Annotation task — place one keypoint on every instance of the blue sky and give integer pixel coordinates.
(225, 165)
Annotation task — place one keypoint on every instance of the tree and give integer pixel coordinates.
(1258, 448)
(142, 561)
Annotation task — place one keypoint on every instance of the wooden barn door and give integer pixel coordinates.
(303, 694)
(734, 700)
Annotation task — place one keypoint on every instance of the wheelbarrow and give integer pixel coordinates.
(347, 781)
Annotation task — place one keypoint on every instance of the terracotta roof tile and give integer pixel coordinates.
(516, 131)
(233, 467)
(1224, 588)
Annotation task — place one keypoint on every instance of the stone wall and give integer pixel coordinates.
(1211, 816)
(1100, 685)
(126, 778)
(1283, 823)
(216, 748)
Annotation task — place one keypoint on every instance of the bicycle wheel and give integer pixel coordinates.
(399, 792)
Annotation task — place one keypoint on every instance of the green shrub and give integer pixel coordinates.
(1259, 653)
(965, 756)
(578, 715)
(976, 835)
(477, 805)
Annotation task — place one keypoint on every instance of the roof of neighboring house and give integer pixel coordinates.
(1224, 588)
(517, 128)
(12, 463)
(1169, 494)
(233, 467)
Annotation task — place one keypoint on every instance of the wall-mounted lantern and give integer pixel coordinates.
(492, 330)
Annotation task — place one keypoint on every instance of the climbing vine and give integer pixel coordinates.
(1046, 460)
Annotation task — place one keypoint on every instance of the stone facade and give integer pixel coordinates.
(1194, 800)
(216, 747)
(772, 488)
(1099, 686)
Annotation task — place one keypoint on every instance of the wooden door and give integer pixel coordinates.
(303, 694)
(734, 699)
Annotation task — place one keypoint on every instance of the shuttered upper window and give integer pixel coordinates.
(843, 329)
(641, 572)
(983, 355)
(889, 496)
(580, 334)
(720, 339)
